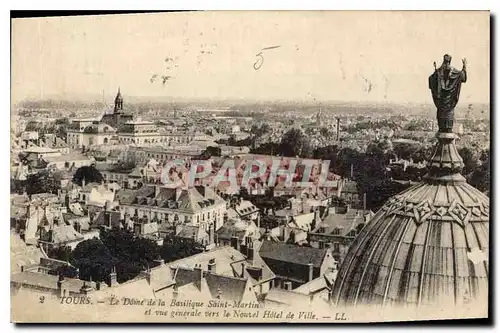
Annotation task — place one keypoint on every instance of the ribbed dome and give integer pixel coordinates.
(427, 244)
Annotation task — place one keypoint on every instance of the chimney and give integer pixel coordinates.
(113, 281)
(338, 129)
(98, 285)
(86, 288)
(211, 266)
(352, 171)
(175, 292)
(242, 269)
(311, 271)
(235, 243)
(147, 274)
(250, 250)
(288, 285)
(199, 271)
(61, 285)
(157, 190)
(107, 218)
(83, 182)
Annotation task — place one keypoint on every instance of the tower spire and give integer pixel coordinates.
(118, 102)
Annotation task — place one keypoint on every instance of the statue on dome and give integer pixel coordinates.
(445, 84)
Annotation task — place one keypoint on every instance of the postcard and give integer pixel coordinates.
(250, 167)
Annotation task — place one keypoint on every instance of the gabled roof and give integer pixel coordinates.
(226, 287)
(65, 233)
(223, 256)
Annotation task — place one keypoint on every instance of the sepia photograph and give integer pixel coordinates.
(250, 167)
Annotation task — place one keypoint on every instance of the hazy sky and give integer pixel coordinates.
(344, 56)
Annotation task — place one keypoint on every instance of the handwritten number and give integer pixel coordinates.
(42, 299)
(258, 64)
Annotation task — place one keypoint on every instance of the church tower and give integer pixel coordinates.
(318, 117)
(118, 102)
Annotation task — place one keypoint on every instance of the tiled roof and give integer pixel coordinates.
(161, 277)
(223, 256)
(286, 297)
(191, 200)
(185, 276)
(226, 287)
(47, 281)
(113, 216)
(292, 253)
(65, 233)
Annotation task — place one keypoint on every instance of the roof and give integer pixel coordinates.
(286, 297)
(114, 218)
(226, 287)
(35, 279)
(161, 277)
(233, 228)
(312, 287)
(65, 233)
(190, 200)
(66, 158)
(245, 207)
(291, 253)
(22, 254)
(346, 222)
(223, 256)
(192, 232)
(254, 264)
(223, 286)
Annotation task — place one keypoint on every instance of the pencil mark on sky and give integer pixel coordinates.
(260, 58)
(341, 65)
(386, 86)
(368, 86)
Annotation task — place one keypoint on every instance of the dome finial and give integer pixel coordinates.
(446, 164)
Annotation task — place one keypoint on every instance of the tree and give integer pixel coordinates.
(61, 253)
(93, 259)
(66, 271)
(132, 254)
(62, 121)
(89, 173)
(268, 148)
(295, 143)
(480, 177)
(470, 158)
(175, 248)
(213, 151)
(44, 181)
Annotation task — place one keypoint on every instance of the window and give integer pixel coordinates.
(336, 247)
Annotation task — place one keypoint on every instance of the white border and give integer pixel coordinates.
(196, 5)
